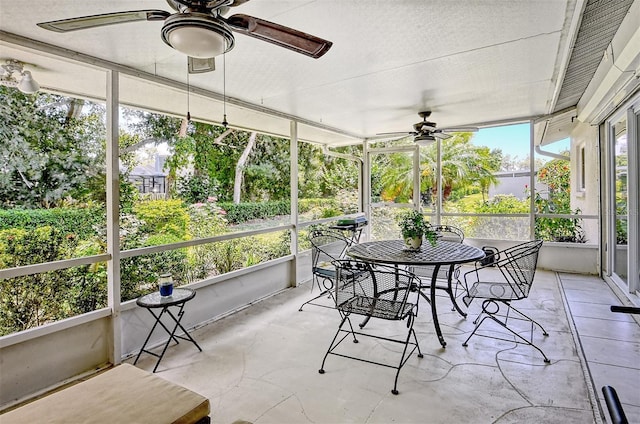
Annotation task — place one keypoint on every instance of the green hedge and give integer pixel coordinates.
(242, 212)
(81, 222)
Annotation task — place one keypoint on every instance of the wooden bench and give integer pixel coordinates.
(124, 394)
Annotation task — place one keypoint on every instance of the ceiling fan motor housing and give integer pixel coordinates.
(424, 126)
(197, 35)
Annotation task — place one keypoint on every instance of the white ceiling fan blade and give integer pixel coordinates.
(397, 134)
(460, 129)
(389, 136)
(441, 136)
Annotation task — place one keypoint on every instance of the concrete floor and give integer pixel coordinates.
(610, 341)
(261, 364)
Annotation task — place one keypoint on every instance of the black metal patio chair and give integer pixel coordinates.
(425, 273)
(501, 282)
(326, 247)
(380, 292)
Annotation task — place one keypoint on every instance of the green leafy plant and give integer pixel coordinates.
(556, 175)
(412, 224)
(163, 217)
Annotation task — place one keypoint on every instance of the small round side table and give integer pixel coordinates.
(154, 301)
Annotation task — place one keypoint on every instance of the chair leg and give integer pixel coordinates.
(406, 357)
(492, 314)
(544, 332)
(406, 353)
(335, 343)
(323, 292)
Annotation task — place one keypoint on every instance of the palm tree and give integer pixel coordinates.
(462, 164)
(396, 176)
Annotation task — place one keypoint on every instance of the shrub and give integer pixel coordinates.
(206, 219)
(163, 217)
(88, 290)
(243, 212)
(500, 228)
(140, 274)
(33, 300)
(196, 188)
(78, 221)
(560, 229)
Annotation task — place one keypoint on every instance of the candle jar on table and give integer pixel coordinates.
(165, 285)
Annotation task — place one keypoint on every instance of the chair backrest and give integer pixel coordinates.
(518, 265)
(326, 247)
(449, 233)
(373, 290)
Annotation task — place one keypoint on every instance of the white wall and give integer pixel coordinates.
(41, 362)
(588, 201)
(573, 258)
(214, 298)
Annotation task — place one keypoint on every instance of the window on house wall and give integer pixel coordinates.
(582, 175)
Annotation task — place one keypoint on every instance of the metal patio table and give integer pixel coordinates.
(178, 298)
(444, 253)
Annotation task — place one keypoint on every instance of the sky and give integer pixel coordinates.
(513, 140)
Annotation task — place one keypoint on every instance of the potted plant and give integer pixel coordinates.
(413, 227)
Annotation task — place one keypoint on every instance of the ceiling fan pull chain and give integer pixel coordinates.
(224, 91)
(188, 93)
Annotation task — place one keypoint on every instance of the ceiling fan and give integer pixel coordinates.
(199, 30)
(425, 132)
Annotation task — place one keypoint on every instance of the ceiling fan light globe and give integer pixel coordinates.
(197, 35)
(197, 42)
(424, 140)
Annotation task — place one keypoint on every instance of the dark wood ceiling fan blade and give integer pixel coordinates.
(93, 21)
(280, 35)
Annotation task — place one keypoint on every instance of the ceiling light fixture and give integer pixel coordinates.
(26, 83)
(424, 139)
(197, 35)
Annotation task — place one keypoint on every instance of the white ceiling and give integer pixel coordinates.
(469, 61)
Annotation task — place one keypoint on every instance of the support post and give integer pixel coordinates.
(113, 215)
(417, 201)
(293, 149)
(532, 183)
(365, 189)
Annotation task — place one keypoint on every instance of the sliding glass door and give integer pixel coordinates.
(622, 241)
(620, 200)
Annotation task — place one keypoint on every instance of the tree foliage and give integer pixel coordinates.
(462, 165)
(556, 199)
(48, 150)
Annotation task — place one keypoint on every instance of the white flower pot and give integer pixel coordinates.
(413, 243)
